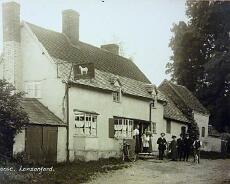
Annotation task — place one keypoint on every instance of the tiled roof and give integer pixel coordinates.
(39, 114)
(190, 100)
(102, 81)
(182, 98)
(172, 112)
(58, 46)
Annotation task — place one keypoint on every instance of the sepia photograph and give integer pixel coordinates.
(114, 91)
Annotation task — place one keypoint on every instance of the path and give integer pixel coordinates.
(166, 172)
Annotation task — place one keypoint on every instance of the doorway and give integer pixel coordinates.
(41, 143)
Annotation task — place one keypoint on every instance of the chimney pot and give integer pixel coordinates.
(113, 48)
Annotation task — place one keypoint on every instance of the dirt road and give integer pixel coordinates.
(167, 172)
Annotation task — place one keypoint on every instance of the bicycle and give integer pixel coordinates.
(125, 151)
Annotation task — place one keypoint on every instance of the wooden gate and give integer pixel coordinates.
(41, 143)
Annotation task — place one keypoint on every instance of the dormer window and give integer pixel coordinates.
(114, 80)
(117, 96)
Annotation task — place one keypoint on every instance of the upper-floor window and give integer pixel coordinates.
(85, 124)
(116, 96)
(168, 126)
(33, 89)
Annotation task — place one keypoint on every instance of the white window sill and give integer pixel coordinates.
(85, 136)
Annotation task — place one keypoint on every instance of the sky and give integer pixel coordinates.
(140, 27)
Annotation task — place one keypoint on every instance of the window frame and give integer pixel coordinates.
(117, 95)
(88, 120)
(119, 124)
(202, 131)
(33, 89)
(168, 126)
(154, 127)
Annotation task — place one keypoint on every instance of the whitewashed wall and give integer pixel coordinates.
(202, 121)
(37, 66)
(158, 118)
(211, 144)
(102, 103)
(61, 144)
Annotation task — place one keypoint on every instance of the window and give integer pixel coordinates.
(203, 132)
(123, 128)
(85, 124)
(33, 89)
(168, 126)
(154, 128)
(117, 96)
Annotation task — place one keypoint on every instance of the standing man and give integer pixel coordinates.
(187, 147)
(196, 146)
(161, 146)
(180, 146)
(136, 136)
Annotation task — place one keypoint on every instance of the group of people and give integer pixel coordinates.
(179, 148)
(144, 139)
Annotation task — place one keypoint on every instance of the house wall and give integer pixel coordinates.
(158, 118)
(202, 121)
(61, 144)
(211, 144)
(101, 102)
(19, 143)
(37, 66)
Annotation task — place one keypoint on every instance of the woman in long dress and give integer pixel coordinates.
(145, 141)
(173, 148)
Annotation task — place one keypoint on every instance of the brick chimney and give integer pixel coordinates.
(114, 48)
(12, 67)
(70, 25)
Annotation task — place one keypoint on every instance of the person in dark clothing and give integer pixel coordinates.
(161, 146)
(173, 148)
(187, 147)
(196, 147)
(180, 147)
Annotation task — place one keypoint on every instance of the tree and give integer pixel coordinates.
(12, 117)
(200, 61)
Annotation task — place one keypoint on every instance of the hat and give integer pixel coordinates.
(173, 136)
(162, 133)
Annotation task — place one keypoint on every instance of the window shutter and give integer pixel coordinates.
(111, 128)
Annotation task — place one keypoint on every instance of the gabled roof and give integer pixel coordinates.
(182, 98)
(39, 114)
(172, 112)
(59, 47)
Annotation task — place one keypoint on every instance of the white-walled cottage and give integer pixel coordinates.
(81, 100)
(188, 104)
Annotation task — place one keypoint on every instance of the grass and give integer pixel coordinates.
(72, 173)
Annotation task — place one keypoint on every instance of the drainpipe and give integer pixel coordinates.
(67, 120)
(152, 104)
(150, 110)
(67, 85)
